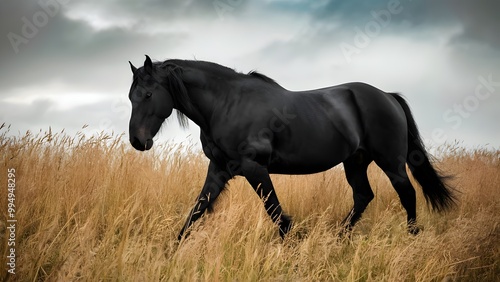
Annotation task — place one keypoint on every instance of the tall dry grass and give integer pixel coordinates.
(92, 208)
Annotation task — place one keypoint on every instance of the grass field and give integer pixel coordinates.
(92, 208)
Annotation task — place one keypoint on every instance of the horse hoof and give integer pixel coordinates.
(414, 230)
(345, 232)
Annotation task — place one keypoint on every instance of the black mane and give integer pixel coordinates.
(262, 77)
(214, 67)
(174, 69)
(174, 84)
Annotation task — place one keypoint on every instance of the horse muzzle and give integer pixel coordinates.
(141, 145)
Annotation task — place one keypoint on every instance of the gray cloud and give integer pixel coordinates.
(432, 51)
(42, 113)
(477, 20)
(73, 51)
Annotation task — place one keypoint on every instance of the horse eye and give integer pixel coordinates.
(149, 94)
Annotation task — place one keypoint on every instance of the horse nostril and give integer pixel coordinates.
(136, 143)
(148, 144)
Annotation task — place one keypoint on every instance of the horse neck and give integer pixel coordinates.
(203, 94)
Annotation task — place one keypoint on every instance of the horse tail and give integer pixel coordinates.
(437, 193)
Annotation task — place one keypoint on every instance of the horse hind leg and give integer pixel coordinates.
(396, 171)
(356, 173)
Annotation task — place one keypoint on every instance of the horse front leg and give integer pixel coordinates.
(214, 184)
(258, 176)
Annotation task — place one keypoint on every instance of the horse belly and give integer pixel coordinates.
(311, 156)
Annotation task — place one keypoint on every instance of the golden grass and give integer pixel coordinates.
(92, 208)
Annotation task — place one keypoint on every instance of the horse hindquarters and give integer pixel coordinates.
(386, 139)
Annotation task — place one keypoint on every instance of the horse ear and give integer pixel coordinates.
(134, 69)
(148, 65)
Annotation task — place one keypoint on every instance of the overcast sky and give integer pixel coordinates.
(64, 62)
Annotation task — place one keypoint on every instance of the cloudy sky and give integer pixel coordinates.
(64, 62)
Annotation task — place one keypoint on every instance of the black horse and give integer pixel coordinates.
(251, 126)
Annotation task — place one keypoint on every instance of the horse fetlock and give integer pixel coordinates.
(285, 225)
